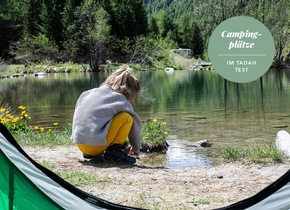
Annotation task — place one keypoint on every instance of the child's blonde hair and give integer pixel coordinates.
(124, 81)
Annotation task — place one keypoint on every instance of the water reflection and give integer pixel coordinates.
(196, 105)
(181, 155)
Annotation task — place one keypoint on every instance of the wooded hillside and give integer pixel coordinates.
(132, 31)
(207, 14)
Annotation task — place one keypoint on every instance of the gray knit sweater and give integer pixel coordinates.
(93, 116)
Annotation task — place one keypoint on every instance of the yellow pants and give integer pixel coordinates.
(118, 132)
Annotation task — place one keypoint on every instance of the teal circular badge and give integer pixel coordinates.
(241, 49)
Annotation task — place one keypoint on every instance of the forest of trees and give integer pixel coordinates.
(93, 31)
(207, 14)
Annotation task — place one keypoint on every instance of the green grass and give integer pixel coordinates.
(75, 177)
(47, 164)
(80, 178)
(48, 138)
(256, 154)
(6, 69)
(197, 202)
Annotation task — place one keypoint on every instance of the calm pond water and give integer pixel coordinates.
(195, 104)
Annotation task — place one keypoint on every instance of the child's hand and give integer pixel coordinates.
(134, 152)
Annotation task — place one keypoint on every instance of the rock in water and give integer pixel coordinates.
(202, 143)
(283, 142)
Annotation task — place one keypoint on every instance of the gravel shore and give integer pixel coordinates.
(163, 188)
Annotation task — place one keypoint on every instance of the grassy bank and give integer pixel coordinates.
(255, 154)
(173, 60)
(18, 122)
(6, 70)
(47, 138)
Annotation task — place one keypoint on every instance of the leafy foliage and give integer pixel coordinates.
(35, 48)
(128, 18)
(91, 31)
(154, 131)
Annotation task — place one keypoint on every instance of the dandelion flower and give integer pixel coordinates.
(154, 120)
(165, 133)
(163, 123)
(55, 124)
(41, 129)
(36, 127)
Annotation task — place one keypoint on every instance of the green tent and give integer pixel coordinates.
(25, 184)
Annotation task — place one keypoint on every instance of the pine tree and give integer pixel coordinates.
(128, 18)
(153, 27)
(51, 24)
(197, 45)
(164, 23)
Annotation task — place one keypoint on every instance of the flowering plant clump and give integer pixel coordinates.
(154, 131)
(17, 122)
(14, 122)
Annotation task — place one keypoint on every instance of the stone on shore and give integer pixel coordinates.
(283, 142)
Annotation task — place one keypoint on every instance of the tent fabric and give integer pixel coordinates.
(25, 184)
(18, 192)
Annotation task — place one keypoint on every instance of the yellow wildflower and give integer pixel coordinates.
(163, 123)
(14, 120)
(165, 133)
(2, 110)
(22, 107)
(3, 120)
(9, 116)
(36, 127)
(41, 129)
(55, 124)
(154, 120)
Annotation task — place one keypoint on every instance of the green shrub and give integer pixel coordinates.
(35, 49)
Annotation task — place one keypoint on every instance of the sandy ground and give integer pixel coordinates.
(163, 188)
